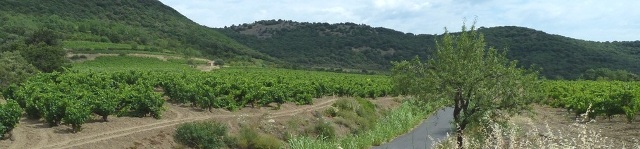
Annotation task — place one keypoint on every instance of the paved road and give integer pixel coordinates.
(437, 126)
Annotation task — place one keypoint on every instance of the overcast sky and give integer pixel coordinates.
(597, 20)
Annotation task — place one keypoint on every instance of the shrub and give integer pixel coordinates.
(325, 130)
(9, 116)
(249, 138)
(78, 57)
(218, 62)
(202, 135)
(268, 142)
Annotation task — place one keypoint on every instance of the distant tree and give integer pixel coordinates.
(478, 81)
(46, 58)
(14, 68)
(43, 50)
(46, 36)
(608, 74)
(218, 62)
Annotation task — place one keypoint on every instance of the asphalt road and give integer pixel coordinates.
(437, 126)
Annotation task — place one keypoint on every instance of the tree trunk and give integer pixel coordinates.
(104, 118)
(457, 109)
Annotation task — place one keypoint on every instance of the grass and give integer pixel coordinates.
(391, 125)
(117, 63)
(96, 45)
(250, 138)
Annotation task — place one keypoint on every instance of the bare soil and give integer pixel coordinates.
(146, 132)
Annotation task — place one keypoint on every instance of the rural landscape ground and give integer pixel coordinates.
(139, 74)
(126, 132)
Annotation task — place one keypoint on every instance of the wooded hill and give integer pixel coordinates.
(150, 26)
(364, 47)
(146, 25)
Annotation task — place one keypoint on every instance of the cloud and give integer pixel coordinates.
(583, 19)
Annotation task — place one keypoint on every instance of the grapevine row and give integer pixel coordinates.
(74, 97)
(601, 98)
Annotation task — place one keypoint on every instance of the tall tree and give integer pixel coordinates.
(478, 81)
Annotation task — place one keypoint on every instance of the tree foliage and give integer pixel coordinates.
(608, 74)
(478, 81)
(359, 46)
(14, 69)
(145, 25)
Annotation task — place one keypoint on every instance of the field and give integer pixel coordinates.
(138, 101)
(572, 114)
(122, 101)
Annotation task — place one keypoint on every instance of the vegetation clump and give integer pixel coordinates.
(202, 135)
(9, 117)
(474, 79)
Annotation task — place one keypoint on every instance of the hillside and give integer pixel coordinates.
(145, 25)
(358, 46)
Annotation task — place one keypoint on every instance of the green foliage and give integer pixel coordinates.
(71, 97)
(116, 63)
(476, 80)
(9, 117)
(249, 138)
(325, 130)
(45, 57)
(359, 115)
(218, 62)
(104, 103)
(608, 74)
(606, 98)
(357, 46)
(77, 113)
(46, 36)
(236, 88)
(140, 25)
(394, 123)
(14, 69)
(202, 135)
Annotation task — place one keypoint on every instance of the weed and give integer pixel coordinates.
(202, 135)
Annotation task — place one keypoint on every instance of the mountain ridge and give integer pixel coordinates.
(150, 25)
(324, 45)
(145, 23)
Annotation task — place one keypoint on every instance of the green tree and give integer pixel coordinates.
(608, 74)
(14, 68)
(46, 58)
(45, 36)
(478, 81)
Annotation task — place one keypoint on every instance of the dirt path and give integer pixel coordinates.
(35, 134)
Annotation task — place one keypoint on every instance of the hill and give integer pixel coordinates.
(358, 46)
(145, 25)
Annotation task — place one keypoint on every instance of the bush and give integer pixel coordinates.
(218, 62)
(202, 135)
(9, 116)
(78, 57)
(325, 130)
(249, 138)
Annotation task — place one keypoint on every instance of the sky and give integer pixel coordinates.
(595, 20)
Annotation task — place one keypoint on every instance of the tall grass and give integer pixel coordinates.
(396, 122)
(573, 136)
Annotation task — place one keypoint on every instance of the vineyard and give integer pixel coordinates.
(596, 98)
(75, 97)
